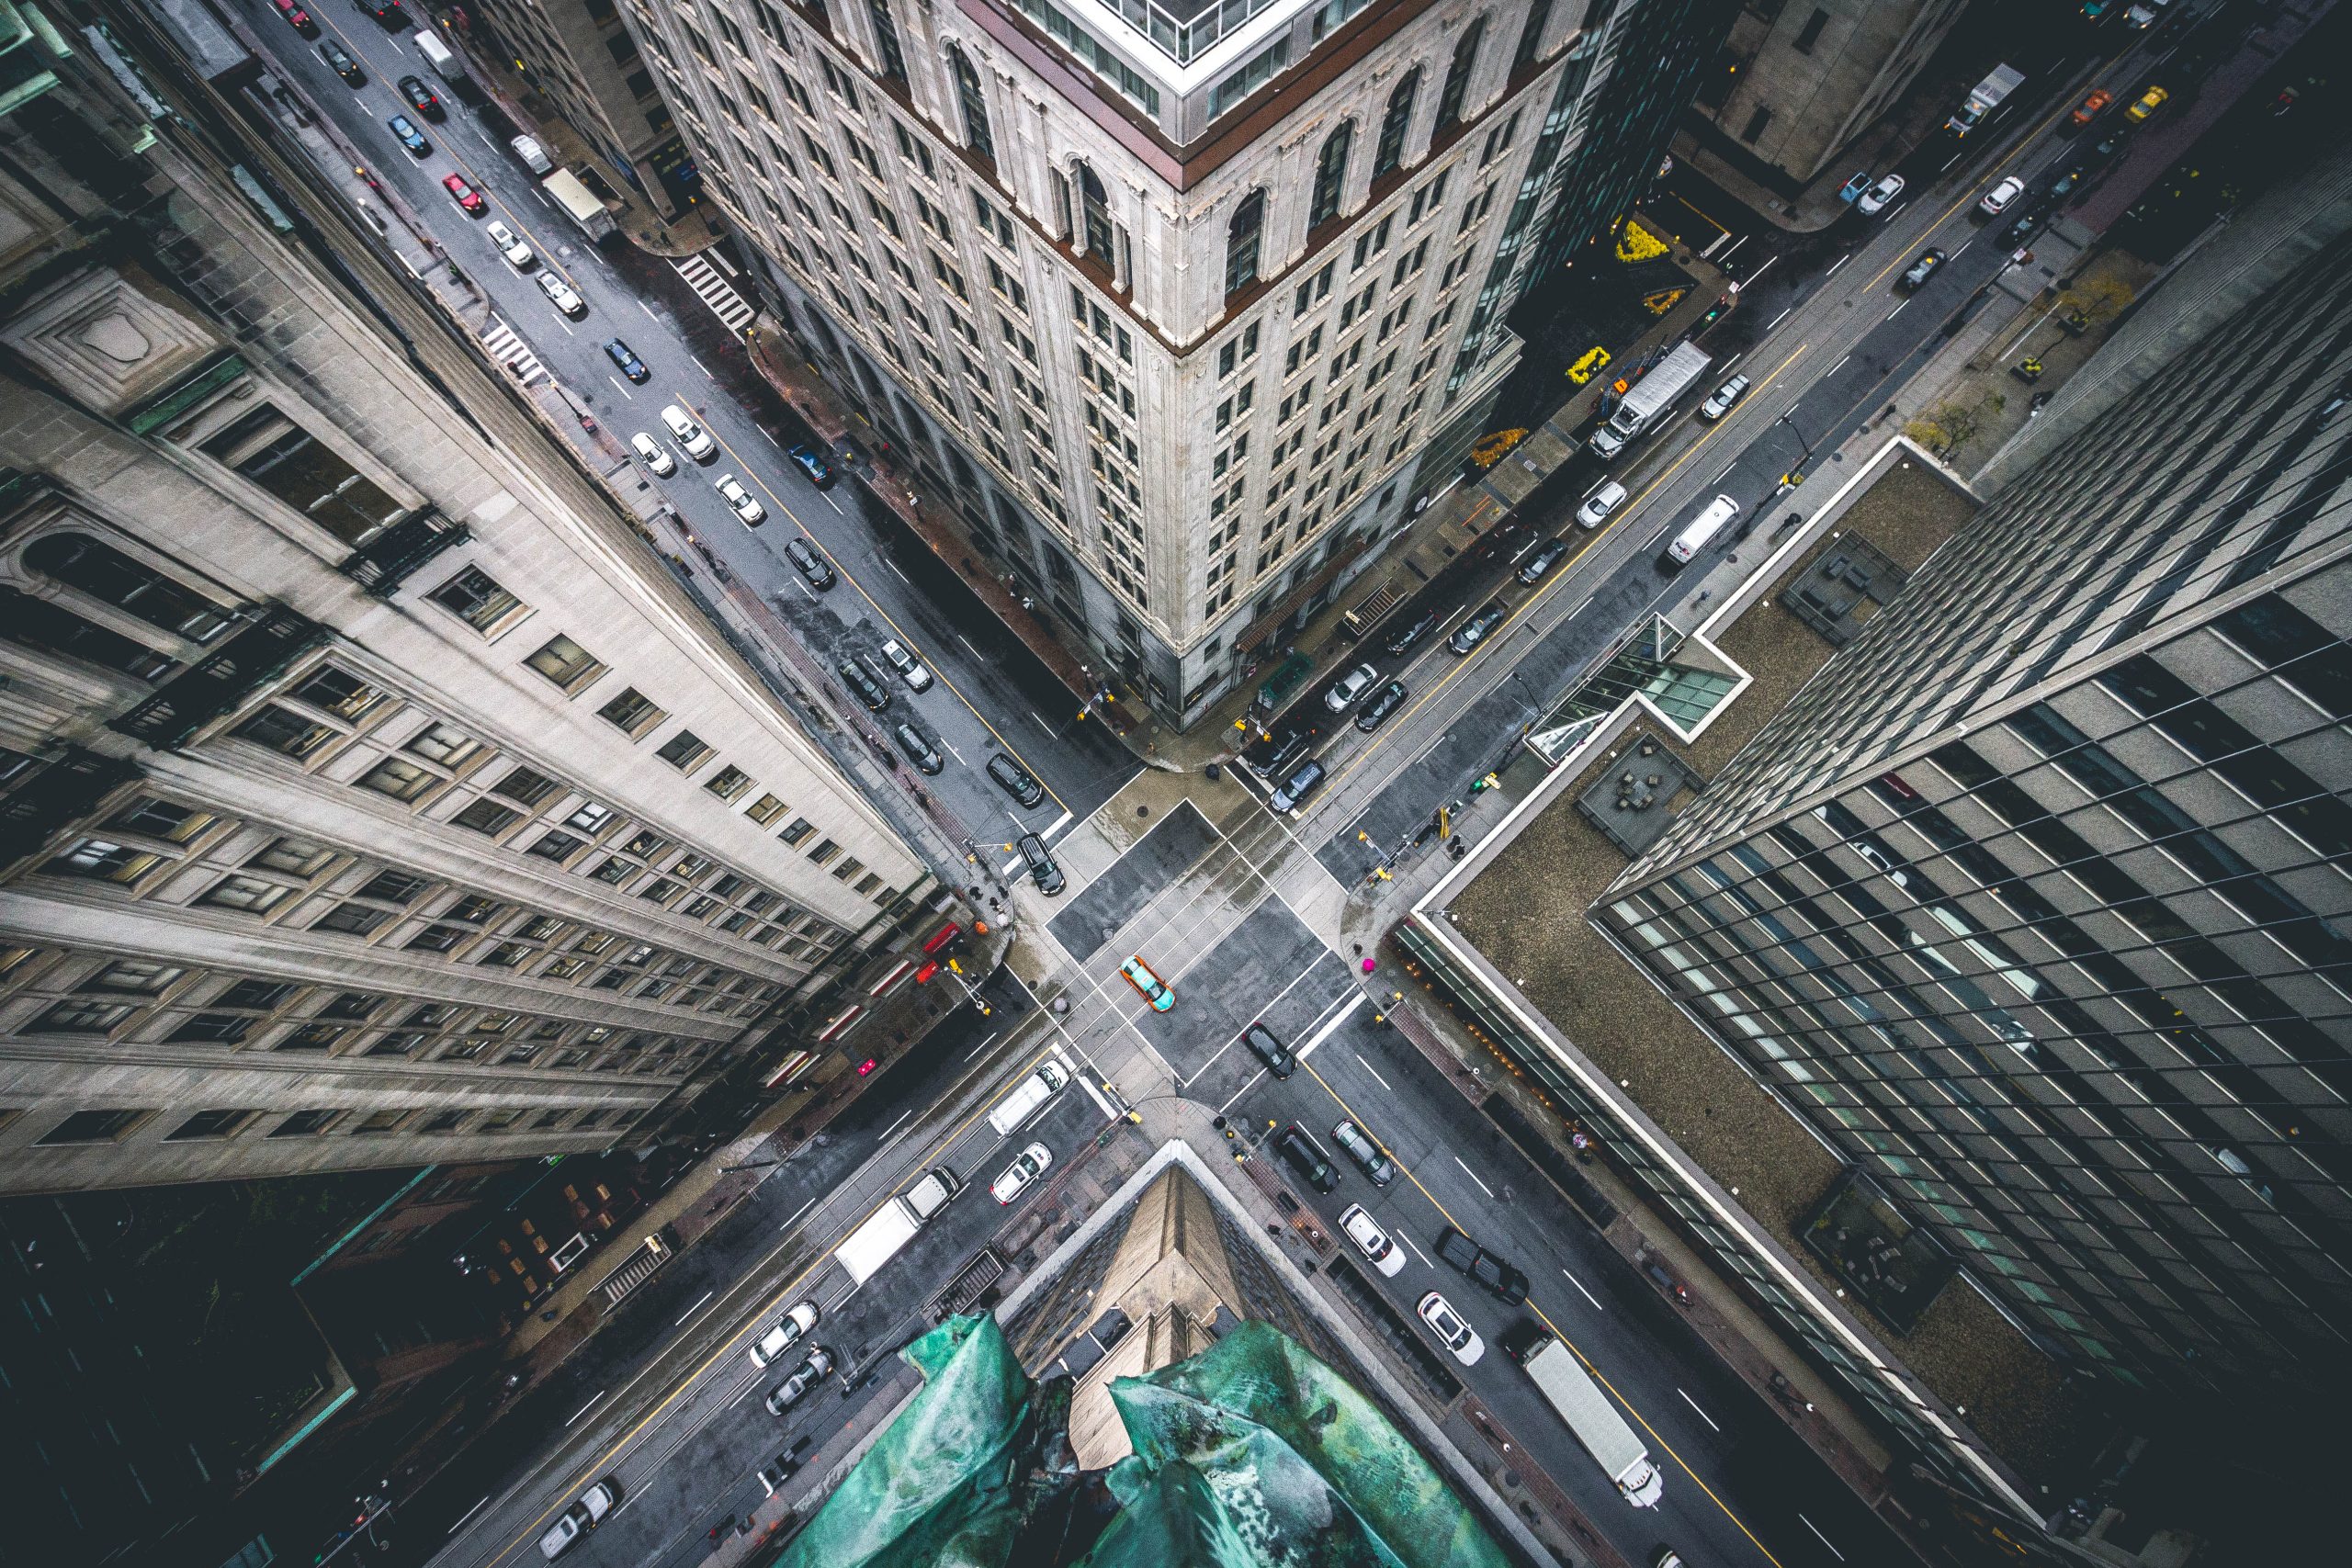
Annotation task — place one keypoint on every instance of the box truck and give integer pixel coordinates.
(894, 1225)
(1648, 398)
(1561, 1379)
(579, 204)
(2004, 80)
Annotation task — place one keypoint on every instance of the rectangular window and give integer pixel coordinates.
(566, 663)
(80, 1016)
(825, 851)
(439, 743)
(728, 784)
(351, 920)
(211, 1125)
(632, 713)
(137, 976)
(393, 888)
(526, 785)
(93, 1127)
(306, 1125)
(685, 752)
(400, 780)
(250, 893)
(1809, 35)
(765, 809)
(282, 730)
(475, 598)
(313, 479)
(486, 816)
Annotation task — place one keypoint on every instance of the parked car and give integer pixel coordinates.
(2063, 186)
(1298, 786)
(2090, 108)
(1148, 984)
(2146, 103)
(1268, 759)
(1723, 399)
(1600, 505)
(410, 137)
(625, 360)
(917, 748)
(421, 99)
(783, 1334)
(2021, 229)
(1401, 640)
(1359, 1144)
(1306, 1156)
(741, 502)
(1341, 694)
(1452, 1330)
(692, 438)
(917, 678)
(1017, 781)
(1533, 569)
(467, 198)
(1922, 269)
(585, 1514)
(813, 464)
(339, 60)
(1854, 187)
(1041, 866)
(809, 563)
(818, 1363)
(297, 17)
(653, 455)
(510, 244)
(562, 295)
(863, 685)
(1476, 629)
(772, 1477)
(1996, 200)
(1879, 196)
(1371, 1241)
(1026, 1168)
(1482, 1266)
(1380, 706)
(1270, 1050)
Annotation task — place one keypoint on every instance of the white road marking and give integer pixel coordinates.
(952, 752)
(967, 643)
(468, 1513)
(797, 1212)
(1087, 1084)
(1963, 245)
(893, 1126)
(694, 1309)
(1373, 1070)
(649, 311)
(543, 198)
(1779, 318)
(1585, 1293)
(1749, 281)
(896, 573)
(1823, 1539)
(700, 365)
(1727, 468)
(1338, 1019)
(623, 390)
(748, 1388)
(773, 441)
(1056, 826)
(1244, 1089)
(1474, 1176)
(1709, 1421)
(1041, 723)
(585, 1408)
(832, 503)
(1837, 368)
(486, 140)
(1841, 261)
(1417, 1251)
(1898, 310)
(982, 1045)
(1009, 867)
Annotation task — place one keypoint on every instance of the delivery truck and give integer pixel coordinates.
(1648, 398)
(1559, 1376)
(563, 188)
(2004, 80)
(439, 56)
(894, 1225)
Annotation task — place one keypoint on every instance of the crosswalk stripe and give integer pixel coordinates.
(716, 292)
(508, 349)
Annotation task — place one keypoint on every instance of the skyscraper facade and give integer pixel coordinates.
(369, 793)
(2034, 900)
(1182, 309)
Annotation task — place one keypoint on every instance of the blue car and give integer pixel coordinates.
(411, 138)
(812, 463)
(621, 355)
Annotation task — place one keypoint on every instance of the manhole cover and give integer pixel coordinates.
(1142, 811)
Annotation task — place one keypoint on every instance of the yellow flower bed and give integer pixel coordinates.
(1636, 243)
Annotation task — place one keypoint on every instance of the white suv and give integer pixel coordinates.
(784, 1334)
(692, 438)
(1371, 1241)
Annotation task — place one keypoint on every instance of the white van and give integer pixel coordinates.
(1697, 531)
(1027, 1100)
(692, 438)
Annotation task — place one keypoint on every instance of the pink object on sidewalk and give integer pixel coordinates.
(1369, 965)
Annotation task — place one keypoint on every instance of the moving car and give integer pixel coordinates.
(577, 1520)
(1879, 196)
(1401, 641)
(1298, 786)
(297, 17)
(1996, 200)
(1488, 1269)
(1041, 867)
(1027, 1166)
(1343, 692)
(1270, 1050)
(917, 678)
(819, 1363)
(464, 195)
(692, 438)
(813, 464)
(863, 685)
(411, 138)
(809, 564)
(1371, 1241)
(2146, 103)
(917, 748)
(2088, 109)
(1533, 570)
(1148, 986)
(421, 99)
(1028, 1098)
(1306, 1156)
(562, 295)
(625, 358)
(787, 1332)
(1451, 1331)
(741, 502)
(510, 244)
(1723, 399)
(339, 60)
(1600, 505)
(1922, 269)
(653, 455)
(1475, 630)
(1359, 1144)
(1018, 782)
(1382, 706)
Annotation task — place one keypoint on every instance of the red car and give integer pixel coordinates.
(461, 193)
(297, 17)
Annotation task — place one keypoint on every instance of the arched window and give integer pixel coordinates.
(1094, 209)
(1457, 76)
(105, 573)
(1241, 240)
(1330, 173)
(977, 135)
(1390, 152)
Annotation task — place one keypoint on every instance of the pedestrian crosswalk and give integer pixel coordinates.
(512, 351)
(716, 292)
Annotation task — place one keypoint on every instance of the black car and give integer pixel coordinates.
(1018, 781)
(1298, 786)
(1270, 1050)
(411, 138)
(1401, 642)
(1041, 866)
(809, 563)
(1473, 632)
(421, 99)
(863, 685)
(2020, 229)
(919, 749)
(1488, 1269)
(624, 357)
(2063, 186)
(1379, 707)
(1923, 269)
(1306, 1156)
(1543, 562)
(339, 60)
(812, 463)
(1267, 758)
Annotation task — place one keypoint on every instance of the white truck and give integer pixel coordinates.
(2004, 80)
(1647, 401)
(1561, 1379)
(531, 155)
(439, 56)
(894, 1225)
(579, 204)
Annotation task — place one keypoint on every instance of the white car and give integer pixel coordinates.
(1996, 200)
(917, 678)
(579, 1519)
(1878, 197)
(1343, 692)
(518, 255)
(1032, 1163)
(1371, 1241)
(1451, 1331)
(562, 295)
(786, 1333)
(654, 455)
(747, 505)
(1600, 505)
(692, 438)
(1725, 397)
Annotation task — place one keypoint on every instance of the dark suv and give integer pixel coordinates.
(863, 685)
(1018, 782)
(1042, 869)
(1306, 1156)
(1270, 1050)
(1488, 1269)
